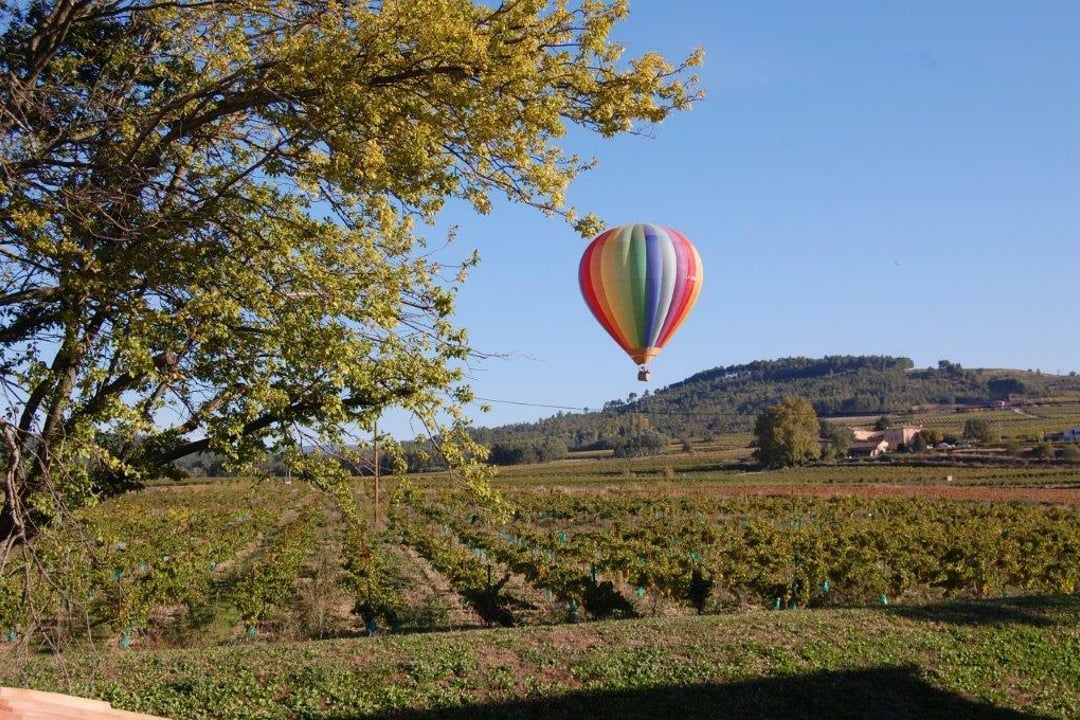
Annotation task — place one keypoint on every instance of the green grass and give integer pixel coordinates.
(1009, 658)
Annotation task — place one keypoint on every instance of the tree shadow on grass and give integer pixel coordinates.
(1034, 610)
(881, 694)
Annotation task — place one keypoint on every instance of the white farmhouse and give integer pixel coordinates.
(1071, 435)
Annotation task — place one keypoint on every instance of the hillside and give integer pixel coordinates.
(727, 399)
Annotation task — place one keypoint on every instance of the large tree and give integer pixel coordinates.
(981, 431)
(787, 433)
(207, 212)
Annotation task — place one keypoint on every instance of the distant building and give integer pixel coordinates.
(871, 443)
(901, 435)
(869, 448)
(1071, 435)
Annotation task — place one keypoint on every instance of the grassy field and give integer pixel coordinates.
(1005, 658)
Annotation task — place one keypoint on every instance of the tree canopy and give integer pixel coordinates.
(787, 433)
(209, 212)
(981, 430)
(839, 439)
(1003, 388)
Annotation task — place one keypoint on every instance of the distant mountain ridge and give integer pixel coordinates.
(727, 399)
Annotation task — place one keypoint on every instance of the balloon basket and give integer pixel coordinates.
(643, 375)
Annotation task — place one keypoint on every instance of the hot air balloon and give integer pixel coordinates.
(640, 281)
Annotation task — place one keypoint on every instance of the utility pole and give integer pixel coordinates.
(375, 443)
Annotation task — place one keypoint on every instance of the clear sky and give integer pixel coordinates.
(896, 178)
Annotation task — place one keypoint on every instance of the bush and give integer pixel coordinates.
(525, 453)
(981, 430)
(1070, 452)
(640, 445)
(1042, 451)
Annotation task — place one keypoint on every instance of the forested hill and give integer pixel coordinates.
(726, 399)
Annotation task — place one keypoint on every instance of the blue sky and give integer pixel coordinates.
(894, 178)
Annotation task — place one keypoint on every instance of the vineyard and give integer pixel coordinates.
(639, 555)
(1021, 424)
(256, 599)
(155, 564)
(197, 565)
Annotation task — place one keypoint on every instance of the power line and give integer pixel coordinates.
(639, 411)
(529, 404)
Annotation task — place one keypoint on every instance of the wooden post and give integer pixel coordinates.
(375, 435)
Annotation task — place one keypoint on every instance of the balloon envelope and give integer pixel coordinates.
(640, 282)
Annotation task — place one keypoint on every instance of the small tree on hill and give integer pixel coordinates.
(1004, 388)
(787, 433)
(981, 430)
(932, 436)
(641, 444)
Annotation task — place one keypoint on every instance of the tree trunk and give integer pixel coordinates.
(13, 527)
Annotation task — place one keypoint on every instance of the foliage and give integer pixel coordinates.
(171, 548)
(368, 579)
(271, 581)
(787, 434)
(981, 430)
(1042, 451)
(1003, 388)
(525, 453)
(208, 213)
(838, 438)
(932, 436)
(135, 558)
(641, 444)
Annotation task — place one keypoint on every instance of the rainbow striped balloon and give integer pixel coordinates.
(640, 281)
